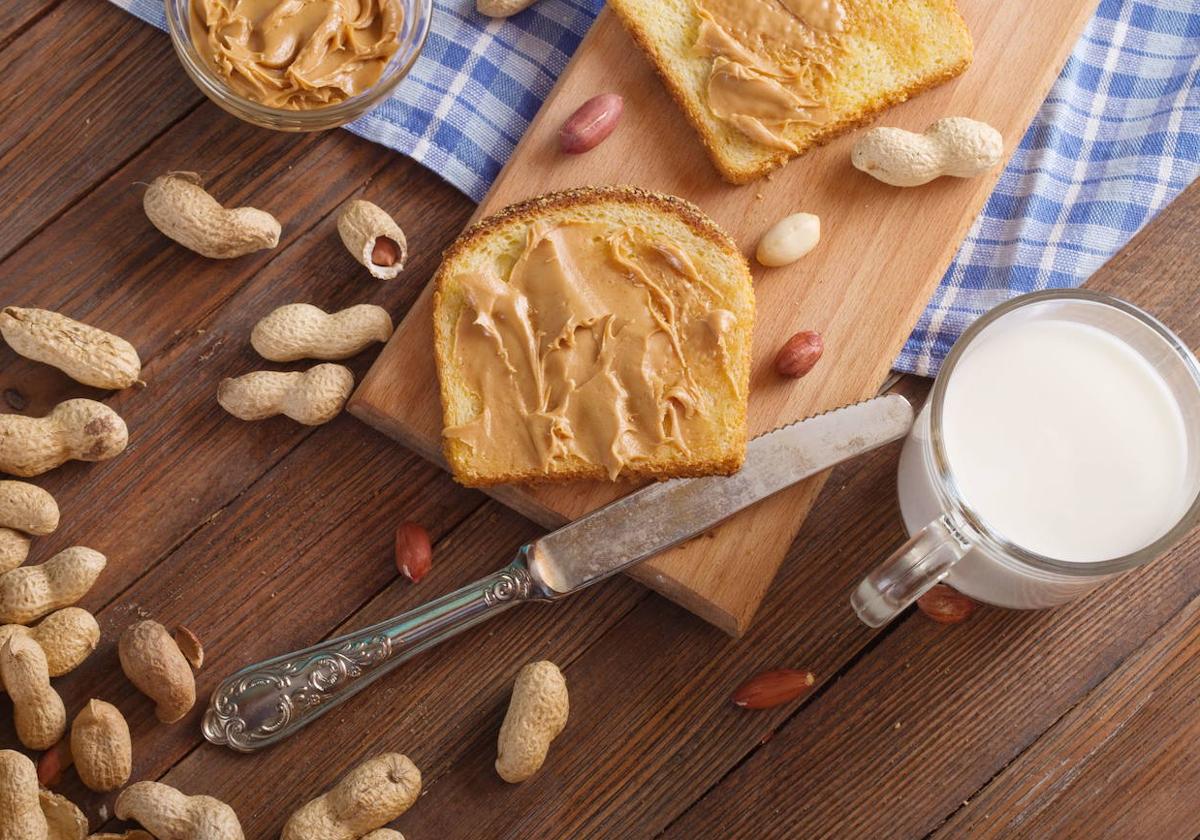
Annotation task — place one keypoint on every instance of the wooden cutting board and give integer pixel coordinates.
(882, 253)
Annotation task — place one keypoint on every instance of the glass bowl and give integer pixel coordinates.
(417, 15)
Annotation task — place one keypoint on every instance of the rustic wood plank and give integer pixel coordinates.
(1123, 763)
(83, 88)
(16, 15)
(967, 699)
(934, 712)
(102, 261)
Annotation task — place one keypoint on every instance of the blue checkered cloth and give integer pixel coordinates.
(1115, 141)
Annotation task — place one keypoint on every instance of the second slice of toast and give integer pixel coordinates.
(885, 52)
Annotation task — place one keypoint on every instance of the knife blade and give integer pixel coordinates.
(649, 521)
(266, 702)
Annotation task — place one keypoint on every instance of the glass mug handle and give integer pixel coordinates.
(913, 570)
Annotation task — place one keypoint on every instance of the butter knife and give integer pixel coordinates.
(268, 701)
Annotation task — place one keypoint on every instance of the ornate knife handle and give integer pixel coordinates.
(268, 701)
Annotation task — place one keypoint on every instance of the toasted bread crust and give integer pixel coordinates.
(526, 212)
(713, 144)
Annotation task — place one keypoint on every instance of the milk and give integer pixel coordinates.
(1069, 427)
(1065, 440)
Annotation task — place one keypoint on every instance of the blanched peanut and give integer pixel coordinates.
(178, 206)
(38, 712)
(312, 397)
(591, 124)
(502, 8)
(30, 592)
(789, 239)
(536, 715)
(153, 662)
(303, 331)
(101, 747)
(371, 795)
(374, 238)
(84, 353)
(83, 430)
(956, 146)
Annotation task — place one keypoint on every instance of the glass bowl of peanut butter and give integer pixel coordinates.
(298, 65)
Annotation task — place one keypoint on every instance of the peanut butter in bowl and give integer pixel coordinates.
(297, 54)
(298, 64)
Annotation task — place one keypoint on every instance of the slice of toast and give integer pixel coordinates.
(635, 402)
(887, 51)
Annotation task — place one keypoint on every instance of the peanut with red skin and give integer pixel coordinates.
(799, 354)
(591, 124)
(414, 551)
(772, 688)
(385, 252)
(946, 605)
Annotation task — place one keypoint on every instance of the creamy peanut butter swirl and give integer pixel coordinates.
(297, 54)
(770, 60)
(592, 347)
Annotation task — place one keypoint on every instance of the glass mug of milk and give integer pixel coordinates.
(1060, 446)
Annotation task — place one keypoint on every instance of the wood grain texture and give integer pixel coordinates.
(73, 112)
(883, 251)
(1105, 770)
(17, 15)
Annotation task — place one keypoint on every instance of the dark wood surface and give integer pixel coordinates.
(1078, 722)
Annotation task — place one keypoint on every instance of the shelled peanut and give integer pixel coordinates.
(84, 353)
(368, 797)
(169, 814)
(101, 746)
(67, 637)
(153, 662)
(537, 714)
(25, 511)
(178, 205)
(79, 429)
(39, 715)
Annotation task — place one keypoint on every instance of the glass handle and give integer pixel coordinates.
(913, 570)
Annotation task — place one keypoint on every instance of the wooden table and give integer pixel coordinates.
(1079, 722)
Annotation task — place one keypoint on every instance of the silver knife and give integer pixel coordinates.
(266, 702)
